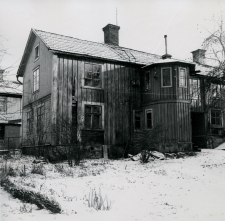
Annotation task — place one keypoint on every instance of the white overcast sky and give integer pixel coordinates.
(143, 23)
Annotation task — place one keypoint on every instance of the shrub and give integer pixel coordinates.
(96, 200)
(145, 155)
(29, 196)
(38, 169)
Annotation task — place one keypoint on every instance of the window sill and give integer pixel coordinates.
(36, 59)
(35, 92)
(88, 87)
(88, 129)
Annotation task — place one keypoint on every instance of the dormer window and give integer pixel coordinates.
(166, 77)
(36, 52)
(182, 77)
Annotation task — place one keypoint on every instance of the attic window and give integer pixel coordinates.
(36, 52)
(92, 77)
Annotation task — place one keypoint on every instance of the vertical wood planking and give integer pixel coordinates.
(69, 90)
(64, 90)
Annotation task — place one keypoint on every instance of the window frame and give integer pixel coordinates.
(185, 78)
(36, 84)
(150, 110)
(40, 117)
(134, 119)
(148, 80)
(29, 121)
(171, 84)
(37, 55)
(221, 118)
(92, 79)
(101, 121)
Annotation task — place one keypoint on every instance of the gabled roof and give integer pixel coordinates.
(61, 43)
(10, 88)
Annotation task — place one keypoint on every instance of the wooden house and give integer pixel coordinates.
(104, 89)
(10, 113)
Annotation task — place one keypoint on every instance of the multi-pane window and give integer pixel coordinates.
(195, 88)
(36, 52)
(2, 104)
(182, 77)
(36, 79)
(148, 119)
(40, 118)
(92, 77)
(137, 120)
(166, 77)
(216, 117)
(29, 121)
(93, 116)
(148, 80)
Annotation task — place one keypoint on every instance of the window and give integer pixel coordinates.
(2, 104)
(92, 77)
(29, 121)
(148, 80)
(182, 77)
(148, 119)
(36, 79)
(216, 117)
(93, 116)
(166, 77)
(137, 120)
(40, 118)
(36, 52)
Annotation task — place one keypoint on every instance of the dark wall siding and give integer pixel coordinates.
(117, 96)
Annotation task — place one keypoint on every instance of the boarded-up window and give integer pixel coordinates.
(182, 77)
(2, 104)
(166, 76)
(216, 117)
(40, 118)
(36, 80)
(92, 76)
(137, 120)
(148, 118)
(93, 116)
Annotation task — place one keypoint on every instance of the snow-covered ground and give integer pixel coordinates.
(192, 188)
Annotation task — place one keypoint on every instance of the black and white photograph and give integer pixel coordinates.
(112, 110)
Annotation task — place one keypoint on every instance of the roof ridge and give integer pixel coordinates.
(102, 43)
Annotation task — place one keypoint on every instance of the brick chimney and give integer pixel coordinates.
(1, 74)
(199, 56)
(111, 34)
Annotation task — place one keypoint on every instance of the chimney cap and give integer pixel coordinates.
(111, 26)
(198, 50)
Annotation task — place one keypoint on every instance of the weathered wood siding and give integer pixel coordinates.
(117, 96)
(156, 92)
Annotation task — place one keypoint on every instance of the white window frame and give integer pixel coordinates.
(36, 79)
(186, 80)
(170, 77)
(146, 124)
